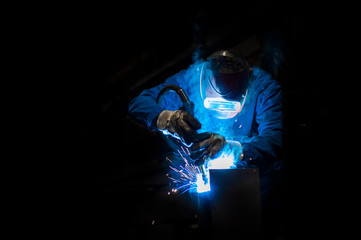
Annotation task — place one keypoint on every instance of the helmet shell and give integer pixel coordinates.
(224, 83)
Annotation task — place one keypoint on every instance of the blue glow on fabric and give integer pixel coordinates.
(184, 174)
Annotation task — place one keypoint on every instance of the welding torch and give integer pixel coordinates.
(187, 106)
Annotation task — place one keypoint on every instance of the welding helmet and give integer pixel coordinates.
(224, 82)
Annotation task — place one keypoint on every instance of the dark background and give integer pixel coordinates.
(112, 178)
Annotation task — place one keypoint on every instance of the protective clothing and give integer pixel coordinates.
(258, 127)
(179, 122)
(206, 144)
(256, 130)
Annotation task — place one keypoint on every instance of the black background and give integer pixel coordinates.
(105, 171)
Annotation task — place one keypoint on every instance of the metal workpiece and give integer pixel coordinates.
(233, 206)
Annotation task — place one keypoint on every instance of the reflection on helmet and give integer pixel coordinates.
(224, 83)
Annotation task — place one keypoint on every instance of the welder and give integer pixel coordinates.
(243, 98)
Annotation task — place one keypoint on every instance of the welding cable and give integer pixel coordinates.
(181, 93)
(181, 123)
(188, 106)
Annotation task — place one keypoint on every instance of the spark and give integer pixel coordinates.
(186, 176)
(182, 172)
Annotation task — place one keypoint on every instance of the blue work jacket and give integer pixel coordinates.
(258, 127)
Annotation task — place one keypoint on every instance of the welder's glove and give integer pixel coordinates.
(180, 122)
(206, 145)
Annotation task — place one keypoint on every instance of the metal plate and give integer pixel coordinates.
(233, 206)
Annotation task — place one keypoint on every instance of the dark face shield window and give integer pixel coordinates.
(224, 83)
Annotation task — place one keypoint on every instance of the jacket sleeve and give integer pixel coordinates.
(264, 149)
(144, 108)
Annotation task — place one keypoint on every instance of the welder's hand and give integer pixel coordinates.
(179, 122)
(206, 145)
